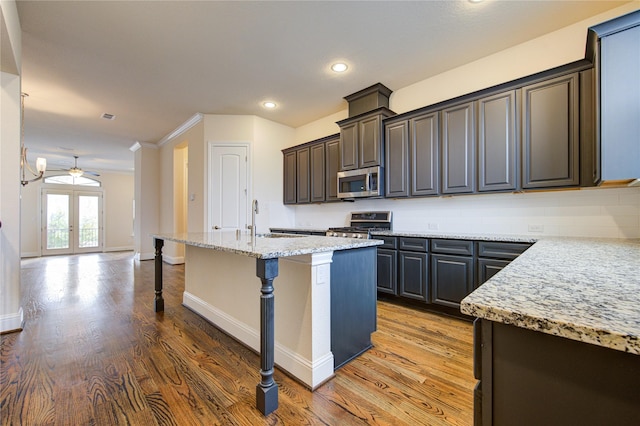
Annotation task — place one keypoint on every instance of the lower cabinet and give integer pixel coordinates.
(438, 273)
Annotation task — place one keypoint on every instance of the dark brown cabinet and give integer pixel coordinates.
(397, 159)
(303, 184)
(425, 154)
(310, 171)
(550, 133)
(332, 163)
(497, 142)
(413, 268)
(361, 142)
(290, 178)
(387, 266)
(458, 149)
(452, 271)
(317, 172)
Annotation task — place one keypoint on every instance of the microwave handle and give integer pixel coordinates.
(367, 184)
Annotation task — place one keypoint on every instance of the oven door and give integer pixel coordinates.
(359, 183)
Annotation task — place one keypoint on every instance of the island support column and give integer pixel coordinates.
(267, 389)
(159, 300)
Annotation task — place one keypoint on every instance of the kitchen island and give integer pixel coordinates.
(558, 335)
(306, 327)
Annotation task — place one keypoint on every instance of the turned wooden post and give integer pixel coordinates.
(267, 389)
(159, 301)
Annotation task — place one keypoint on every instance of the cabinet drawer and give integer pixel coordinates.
(389, 242)
(501, 250)
(459, 247)
(413, 244)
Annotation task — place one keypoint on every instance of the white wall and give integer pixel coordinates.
(117, 207)
(595, 212)
(147, 200)
(11, 315)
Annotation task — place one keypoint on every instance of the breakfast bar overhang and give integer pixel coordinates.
(220, 284)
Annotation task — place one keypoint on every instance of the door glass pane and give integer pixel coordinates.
(57, 221)
(88, 221)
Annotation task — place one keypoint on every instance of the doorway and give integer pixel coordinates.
(71, 221)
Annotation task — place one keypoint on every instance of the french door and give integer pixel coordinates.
(71, 221)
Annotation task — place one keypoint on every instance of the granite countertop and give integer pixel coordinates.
(579, 288)
(276, 228)
(458, 236)
(264, 247)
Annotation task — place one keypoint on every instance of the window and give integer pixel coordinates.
(70, 180)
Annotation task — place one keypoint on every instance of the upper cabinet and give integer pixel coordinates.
(361, 142)
(310, 171)
(615, 47)
(497, 142)
(361, 135)
(458, 149)
(550, 133)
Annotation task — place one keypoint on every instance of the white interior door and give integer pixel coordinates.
(228, 178)
(71, 221)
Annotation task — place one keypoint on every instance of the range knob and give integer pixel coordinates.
(344, 235)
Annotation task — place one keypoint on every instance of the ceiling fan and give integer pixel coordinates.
(76, 171)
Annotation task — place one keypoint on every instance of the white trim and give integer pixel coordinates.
(122, 248)
(12, 322)
(173, 260)
(195, 119)
(29, 254)
(136, 146)
(312, 374)
(145, 256)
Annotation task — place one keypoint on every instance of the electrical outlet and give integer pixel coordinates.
(536, 228)
(433, 226)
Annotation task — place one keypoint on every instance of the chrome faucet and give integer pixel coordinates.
(254, 211)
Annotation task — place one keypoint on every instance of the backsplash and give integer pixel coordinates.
(606, 213)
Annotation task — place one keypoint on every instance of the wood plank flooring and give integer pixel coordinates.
(93, 352)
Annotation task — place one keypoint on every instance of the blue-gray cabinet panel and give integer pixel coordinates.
(458, 149)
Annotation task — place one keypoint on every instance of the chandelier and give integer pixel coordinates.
(41, 163)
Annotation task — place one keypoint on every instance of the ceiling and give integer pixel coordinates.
(154, 64)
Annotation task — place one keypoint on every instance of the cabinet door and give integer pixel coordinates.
(397, 159)
(413, 278)
(332, 151)
(370, 141)
(452, 279)
(317, 171)
(349, 147)
(289, 191)
(620, 104)
(458, 149)
(497, 147)
(424, 153)
(550, 120)
(387, 271)
(488, 268)
(302, 176)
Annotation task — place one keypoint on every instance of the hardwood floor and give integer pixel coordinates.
(93, 352)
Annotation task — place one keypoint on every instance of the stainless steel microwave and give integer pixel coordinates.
(360, 183)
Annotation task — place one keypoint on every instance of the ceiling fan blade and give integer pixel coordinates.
(87, 172)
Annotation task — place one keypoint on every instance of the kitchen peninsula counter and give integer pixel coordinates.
(557, 337)
(321, 284)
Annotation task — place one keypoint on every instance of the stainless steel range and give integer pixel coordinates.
(362, 224)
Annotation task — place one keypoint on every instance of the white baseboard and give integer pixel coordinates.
(173, 260)
(123, 248)
(145, 256)
(29, 254)
(311, 373)
(12, 322)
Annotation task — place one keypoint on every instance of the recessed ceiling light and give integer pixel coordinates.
(269, 104)
(339, 67)
(475, 1)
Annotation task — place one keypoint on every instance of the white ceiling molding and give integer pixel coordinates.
(195, 119)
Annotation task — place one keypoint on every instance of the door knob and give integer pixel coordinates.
(216, 227)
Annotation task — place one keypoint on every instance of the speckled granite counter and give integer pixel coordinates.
(582, 289)
(264, 247)
(458, 236)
